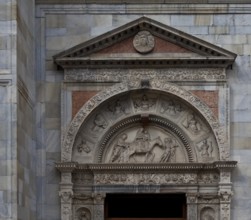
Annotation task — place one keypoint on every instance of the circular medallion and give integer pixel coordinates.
(143, 42)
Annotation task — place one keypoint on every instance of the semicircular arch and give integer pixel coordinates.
(167, 89)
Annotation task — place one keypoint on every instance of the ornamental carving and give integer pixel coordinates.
(192, 123)
(145, 179)
(143, 42)
(139, 146)
(83, 214)
(122, 75)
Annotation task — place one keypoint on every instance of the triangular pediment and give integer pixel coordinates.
(144, 42)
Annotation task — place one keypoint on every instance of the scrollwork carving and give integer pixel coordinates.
(145, 179)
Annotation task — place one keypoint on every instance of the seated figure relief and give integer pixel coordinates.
(144, 103)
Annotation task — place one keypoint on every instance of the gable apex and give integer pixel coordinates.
(201, 53)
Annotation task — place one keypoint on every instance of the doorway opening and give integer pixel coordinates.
(145, 206)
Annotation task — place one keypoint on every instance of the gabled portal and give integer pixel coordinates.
(160, 132)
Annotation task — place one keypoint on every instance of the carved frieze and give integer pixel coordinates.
(145, 179)
(120, 75)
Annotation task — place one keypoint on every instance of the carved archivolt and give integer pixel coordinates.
(194, 116)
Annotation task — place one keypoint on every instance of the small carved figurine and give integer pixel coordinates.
(83, 146)
(205, 149)
(99, 123)
(192, 124)
(119, 149)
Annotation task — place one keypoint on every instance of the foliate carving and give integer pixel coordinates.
(66, 212)
(208, 178)
(82, 178)
(205, 149)
(225, 196)
(120, 75)
(66, 195)
(66, 177)
(143, 42)
(192, 198)
(145, 179)
(98, 212)
(225, 177)
(144, 103)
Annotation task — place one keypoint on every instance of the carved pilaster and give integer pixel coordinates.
(66, 195)
(98, 199)
(225, 200)
(192, 213)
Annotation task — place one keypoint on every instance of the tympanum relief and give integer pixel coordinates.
(142, 144)
(145, 145)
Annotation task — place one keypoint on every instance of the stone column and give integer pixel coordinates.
(98, 210)
(192, 206)
(66, 194)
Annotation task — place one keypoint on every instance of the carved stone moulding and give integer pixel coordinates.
(120, 75)
(157, 174)
(157, 86)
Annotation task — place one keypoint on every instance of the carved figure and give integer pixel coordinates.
(170, 149)
(116, 108)
(143, 104)
(143, 145)
(99, 123)
(205, 149)
(83, 146)
(119, 149)
(170, 108)
(192, 124)
(83, 215)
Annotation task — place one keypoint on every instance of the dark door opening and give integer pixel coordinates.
(145, 206)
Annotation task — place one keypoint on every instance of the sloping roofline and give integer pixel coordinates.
(210, 54)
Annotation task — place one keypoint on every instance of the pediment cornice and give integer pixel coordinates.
(199, 53)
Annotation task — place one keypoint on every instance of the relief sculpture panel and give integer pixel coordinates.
(145, 145)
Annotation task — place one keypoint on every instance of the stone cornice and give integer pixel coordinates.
(140, 2)
(218, 165)
(78, 7)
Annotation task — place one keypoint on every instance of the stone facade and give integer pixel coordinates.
(38, 100)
